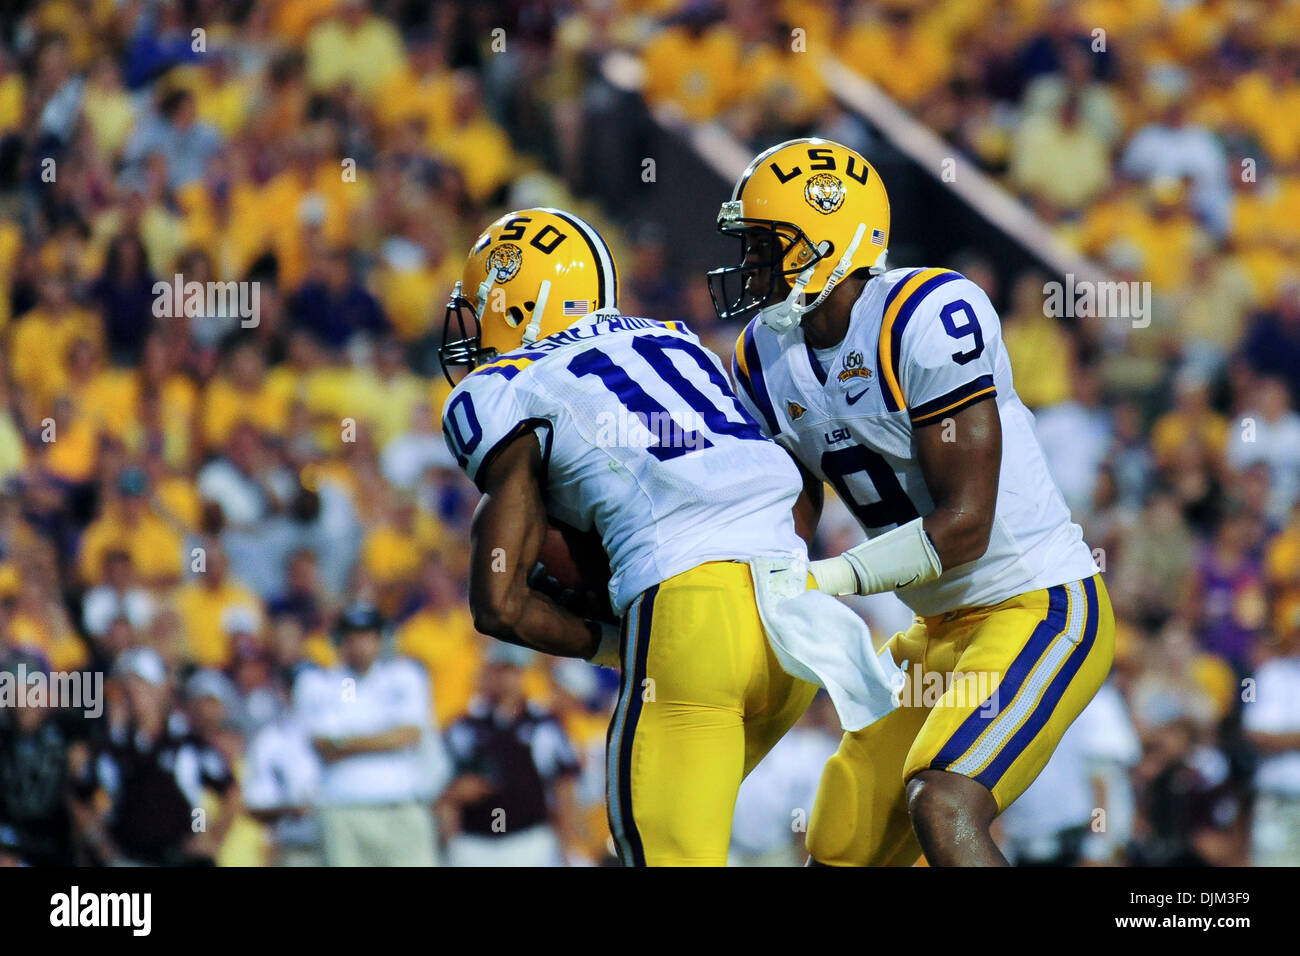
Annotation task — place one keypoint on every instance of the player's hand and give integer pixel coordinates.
(585, 605)
(544, 583)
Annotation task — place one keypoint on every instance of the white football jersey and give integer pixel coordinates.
(643, 440)
(922, 345)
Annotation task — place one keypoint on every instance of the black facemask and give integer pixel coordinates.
(467, 350)
(761, 277)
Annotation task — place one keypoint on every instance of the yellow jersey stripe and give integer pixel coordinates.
(961, 401)
(517, 363)
(740, 357)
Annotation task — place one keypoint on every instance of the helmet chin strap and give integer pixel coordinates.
(534, 326)
(484, 288)
(535, 323)
(785, 315)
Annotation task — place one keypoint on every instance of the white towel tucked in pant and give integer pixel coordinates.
(820, 640)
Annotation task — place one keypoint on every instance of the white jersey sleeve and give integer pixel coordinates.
(944, 356)
(485, 412)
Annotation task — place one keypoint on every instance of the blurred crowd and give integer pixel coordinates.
(249, 523)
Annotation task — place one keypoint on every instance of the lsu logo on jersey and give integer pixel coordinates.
(853, 367)
(824, 192)
(505, 260)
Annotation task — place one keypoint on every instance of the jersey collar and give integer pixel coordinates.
(816, 366)
(806, 376)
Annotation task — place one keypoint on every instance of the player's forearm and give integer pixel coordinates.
(958, 535)
(533, 620)
(896, 559)
(505, 607)
(505, 540)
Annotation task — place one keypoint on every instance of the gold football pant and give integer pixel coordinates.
(702, 700)
(988, 693)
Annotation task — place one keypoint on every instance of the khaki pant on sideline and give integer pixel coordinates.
(536, 846)
(1275, 832)
(401, 834)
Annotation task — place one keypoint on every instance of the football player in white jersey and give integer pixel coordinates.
(628, 427)
(894, 387)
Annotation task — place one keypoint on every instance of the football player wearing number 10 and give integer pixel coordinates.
(894, 387)
(628, 426)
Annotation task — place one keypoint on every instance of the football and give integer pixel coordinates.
(576, 562)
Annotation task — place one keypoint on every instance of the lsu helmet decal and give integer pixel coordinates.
(504, 261)
(824, 192)
(807, 212)
(530, 274)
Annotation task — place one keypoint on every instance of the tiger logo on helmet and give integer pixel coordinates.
(532, 273)
(824, 192)
(504, 260)
(808, 212)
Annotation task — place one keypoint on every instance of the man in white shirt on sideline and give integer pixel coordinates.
(1081, 807)
(371, 723)
(1272, 723)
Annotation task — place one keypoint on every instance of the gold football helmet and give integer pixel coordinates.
(807, 212)
(531, 273)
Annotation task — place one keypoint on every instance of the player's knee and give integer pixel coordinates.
(833, 825)
(667, 844)
(938, 801)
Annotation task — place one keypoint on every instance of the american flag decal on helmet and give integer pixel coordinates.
(577, 306)
(877, 237)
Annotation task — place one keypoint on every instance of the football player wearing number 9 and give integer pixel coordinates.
(628, 426)
(894, 387)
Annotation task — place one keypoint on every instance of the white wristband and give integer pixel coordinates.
(895, 559)
(608, 651)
